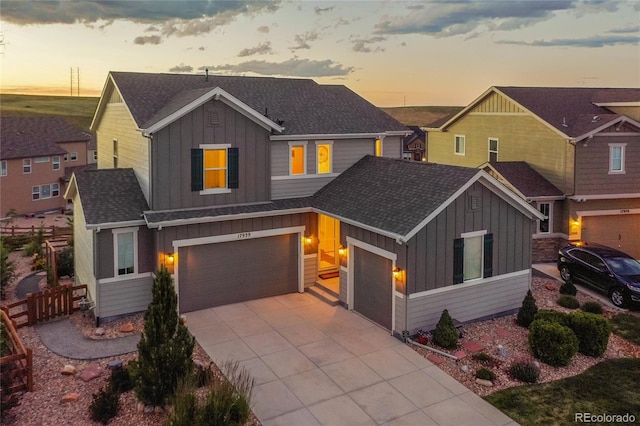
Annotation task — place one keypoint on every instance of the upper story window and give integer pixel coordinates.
(544, 225)
(459, 142)
(125, 245)
(472, 256)
(73, 156)
(26, 165)
(39, 160)
(3, 168)
(214, 168)
(297, 158)
(324, 157)
(616, 157)
(378, 148)
(95, 155)
(493, 150)
(55, 162)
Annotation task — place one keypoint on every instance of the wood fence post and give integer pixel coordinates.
(30, 369)
(31, 309)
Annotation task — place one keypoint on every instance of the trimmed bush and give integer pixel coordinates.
(568, 288)
(105, 405)
(485, 374)
(552, 343)
(557, 317)
(64, 262)
(446, 334)
(592, 307)
(481, 356)
(528, 310)
(567, 301)
(592, 332)
(525, 371)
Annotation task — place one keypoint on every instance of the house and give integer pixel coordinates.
(35, 154)
(573, 153)
(414, 146)
(252, 187)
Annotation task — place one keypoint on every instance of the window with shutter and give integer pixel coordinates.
(472, 256)
(214, 169)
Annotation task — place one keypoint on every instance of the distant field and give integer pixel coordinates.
(420, 115)
(77, 110)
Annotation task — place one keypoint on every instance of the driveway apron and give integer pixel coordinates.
(316, 364)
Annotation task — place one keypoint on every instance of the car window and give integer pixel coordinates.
(589, 258)
(624, 265)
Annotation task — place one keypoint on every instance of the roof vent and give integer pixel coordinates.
(564, 122)
(595, 118)
(206, 74)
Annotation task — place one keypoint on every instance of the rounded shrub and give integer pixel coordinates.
(568, 301)
(549, 315)
(592, 332)
(485, 374)
(525, 371)
(568, 288)
(592, 307)
(446, 334)
(105, 405)
(528, 310)
(481, 356)
(552, 343)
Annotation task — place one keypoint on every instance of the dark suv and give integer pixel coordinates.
(604, 268)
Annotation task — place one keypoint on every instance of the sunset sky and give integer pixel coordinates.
(392, 53)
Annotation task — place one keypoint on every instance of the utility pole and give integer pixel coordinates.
(78, 74)
(71, 82)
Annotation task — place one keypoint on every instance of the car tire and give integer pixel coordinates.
(565, 273)
(617, 297)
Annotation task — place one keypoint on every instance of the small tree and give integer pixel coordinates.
(7, 270)
(165, 347)
(528, 310)
(446, 334)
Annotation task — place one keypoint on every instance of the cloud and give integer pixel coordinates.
(595, 41)
(153, 39)
(302, 39)
(261, 49)
(445, 19)
(633, 30)
(181, 68)
(263, 29)
(364, 45)
(320, 10)
(294, 67)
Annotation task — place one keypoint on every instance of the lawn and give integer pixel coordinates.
(626, 326)
(77, 110)
(611, 387)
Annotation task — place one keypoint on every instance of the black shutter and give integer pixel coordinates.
(197, 169)
(458, 260)
(233, 171)
(488, 255)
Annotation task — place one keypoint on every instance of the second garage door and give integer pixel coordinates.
(617, 231)
(372, 286)
(236, 271)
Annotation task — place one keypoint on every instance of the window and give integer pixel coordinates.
(472, 256)
(66, 157)
(26, 166)
(214, 169)
(55, 162)
(43, 192)
(35, 193)
(95, 155)
(616, 158)
(544, 225)
(55, 189)
(73, 156)
(324, 157)
(459, 144)
(125, 248)
(493, 150)
(115, 153)
(39, 160)
(298, 158)
(378, 148)
(3, 168)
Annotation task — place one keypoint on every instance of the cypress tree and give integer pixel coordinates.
(528, 310)
(446, 334)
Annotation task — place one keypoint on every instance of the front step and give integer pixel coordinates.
(323, 294)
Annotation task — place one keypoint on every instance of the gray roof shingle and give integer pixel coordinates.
(110, 196)
(30, 136)
(305, 106)
(525, 179)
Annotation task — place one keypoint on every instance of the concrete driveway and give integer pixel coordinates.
(316, 364)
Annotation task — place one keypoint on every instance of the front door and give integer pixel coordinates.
(328, 240)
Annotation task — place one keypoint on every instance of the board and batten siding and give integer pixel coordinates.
(124, 297)
(469, 301)
(430, 251)
(133, 148)
(83, 243)
(211, 123)
(400, 313)
(105, 252)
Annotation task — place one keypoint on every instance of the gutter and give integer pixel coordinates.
(439, 352)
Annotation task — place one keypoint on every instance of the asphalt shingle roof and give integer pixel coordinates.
(23, 137)
(525, 179)
(374, 192)
(110, 195)
(305, 106)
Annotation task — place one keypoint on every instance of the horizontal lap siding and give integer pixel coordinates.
(401, 313)
(392, 147)
(466, 303)
(344, 274)
(124, 297)
(83, 242)
(310, 270)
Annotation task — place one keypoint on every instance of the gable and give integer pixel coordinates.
(497, 103)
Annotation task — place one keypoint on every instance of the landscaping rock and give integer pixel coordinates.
(100, 331)
(550, 287)
(158, 410)
(68, 370)
(91, 372)
(460, 354)
(126, 328)
(482, 382)
(436, 359)
(139, 407)
(149, 409)
(472, 346)
(465, 368)
(502, 351)
(116, 363)
(503, 332)
(70, 397)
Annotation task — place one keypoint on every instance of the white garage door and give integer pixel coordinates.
(621, 232)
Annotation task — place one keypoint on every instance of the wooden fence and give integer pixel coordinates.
(48, 231)
(45, 305)
(19, 365)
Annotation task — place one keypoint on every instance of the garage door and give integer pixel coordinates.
(236, 271)
(372, 286)
(617, 231)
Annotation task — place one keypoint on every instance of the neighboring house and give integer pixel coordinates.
(35, 154)
(414, 146)
(252, 187)
(92, 151)
(584, 142)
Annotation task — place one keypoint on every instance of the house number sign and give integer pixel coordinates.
(244, 235)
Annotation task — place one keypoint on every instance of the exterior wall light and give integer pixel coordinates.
(169, 258)
(342, 251)
(308, 240)
(397, 272)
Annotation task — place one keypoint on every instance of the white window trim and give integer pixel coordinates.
(550, 203)
(489, 150)
(55, 161)
(622, 147)
(4, 170)
(455, 145)
(35, 190)
(40, 160)
(475, 234)
(304, 145)
(52, 185)
(226, 190)
(26, 163)
(73, 154)
(116, 232)
(330, 143)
